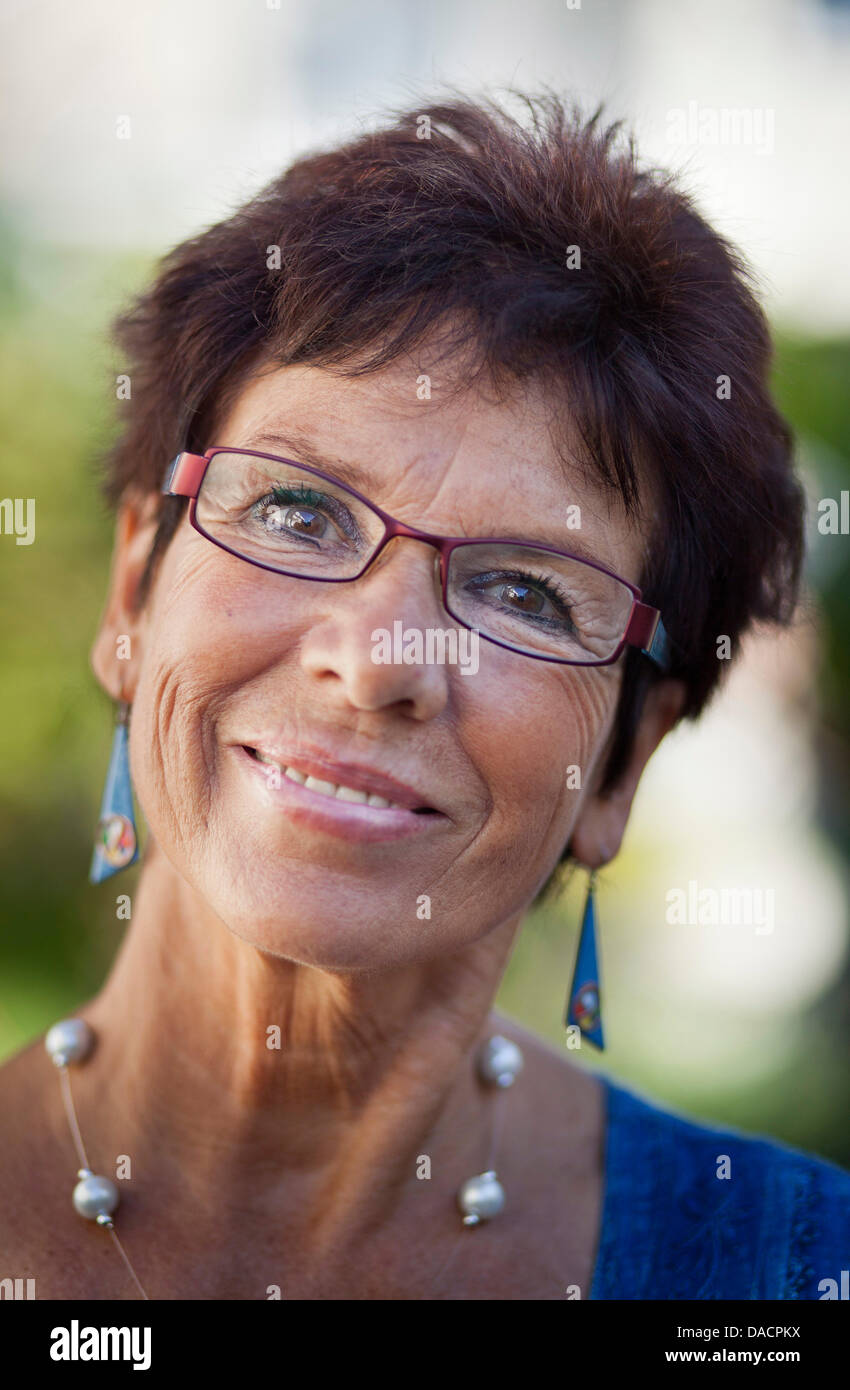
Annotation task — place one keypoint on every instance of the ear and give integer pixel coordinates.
(117, 649)
(598, 832)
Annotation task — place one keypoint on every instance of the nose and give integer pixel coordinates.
(355, 626)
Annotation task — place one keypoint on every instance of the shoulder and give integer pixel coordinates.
(24, 1103)
(36, 1159)
(696, 1211)
(22, 1082)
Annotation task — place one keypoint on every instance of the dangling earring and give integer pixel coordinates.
(116, 843)
(584, 1006)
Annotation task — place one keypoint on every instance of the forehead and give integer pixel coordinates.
(453, 459)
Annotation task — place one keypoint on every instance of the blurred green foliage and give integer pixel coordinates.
(59, 934)
(812, 383)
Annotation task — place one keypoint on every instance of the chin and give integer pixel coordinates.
(324, 931)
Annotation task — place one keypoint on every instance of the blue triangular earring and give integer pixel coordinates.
(116, 842)
(584, 1005)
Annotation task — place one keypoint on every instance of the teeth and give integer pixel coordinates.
(314, 784)
(349, 794)
(340, 792)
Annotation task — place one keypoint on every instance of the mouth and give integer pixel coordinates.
(360, 788)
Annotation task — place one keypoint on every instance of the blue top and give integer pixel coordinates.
(673, 1229)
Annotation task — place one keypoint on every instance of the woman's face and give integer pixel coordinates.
(231, 657)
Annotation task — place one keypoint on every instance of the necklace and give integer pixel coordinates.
(480, 1198)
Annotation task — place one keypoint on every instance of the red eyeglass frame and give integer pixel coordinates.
(644, 629)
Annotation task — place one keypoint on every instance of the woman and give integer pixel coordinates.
(292, 1083)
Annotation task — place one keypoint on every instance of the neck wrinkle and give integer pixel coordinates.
(371, 1072)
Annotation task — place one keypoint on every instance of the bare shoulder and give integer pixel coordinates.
(552, 1163)
(25, 1081)
(558, 1109)
(37, 1160)
(574, 1096)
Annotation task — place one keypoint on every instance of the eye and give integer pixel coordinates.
(302, 511)
(536, 597)
(523, 597)
(301, 517)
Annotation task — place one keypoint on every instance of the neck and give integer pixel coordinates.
(231, 1070)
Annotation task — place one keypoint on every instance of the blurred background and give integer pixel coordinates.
(126, 128)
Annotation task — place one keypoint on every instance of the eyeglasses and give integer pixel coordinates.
(284, 516)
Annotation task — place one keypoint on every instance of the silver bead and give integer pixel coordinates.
(499, 1061)
(69, 1041)
(96, 1196)
(481, 1198)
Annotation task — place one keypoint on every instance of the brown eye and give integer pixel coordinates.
(303, 519)
(521, 597)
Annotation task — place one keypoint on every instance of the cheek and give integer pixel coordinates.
(207, 638)
(215, 616)
(217, 626)
(538, 746)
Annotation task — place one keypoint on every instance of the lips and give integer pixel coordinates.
(342, 781)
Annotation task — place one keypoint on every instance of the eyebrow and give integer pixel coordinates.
(356, 475)
(359, 477)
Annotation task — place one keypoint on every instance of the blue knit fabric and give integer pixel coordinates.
(672, 1229)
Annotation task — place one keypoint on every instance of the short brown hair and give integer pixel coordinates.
(459, 212)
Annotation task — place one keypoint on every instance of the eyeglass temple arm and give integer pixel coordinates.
(647, 631)
(184, 474)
